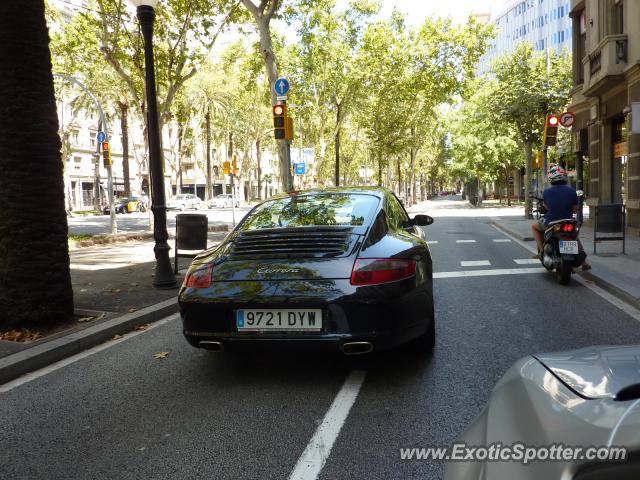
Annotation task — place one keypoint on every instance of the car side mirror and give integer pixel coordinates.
(422, 220)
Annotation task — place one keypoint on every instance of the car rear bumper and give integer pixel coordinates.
(385, 316)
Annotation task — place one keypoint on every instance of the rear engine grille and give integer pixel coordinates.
(288, 244)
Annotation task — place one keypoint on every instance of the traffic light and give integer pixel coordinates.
(235, 166)
(279, 115)
(226, 168)
(550, 130)
(106, 154)
(288, 128)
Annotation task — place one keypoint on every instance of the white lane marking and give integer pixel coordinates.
(315, 455)
(622, 305)
(465, 241)
(79, 356)
(526, 261)
(485, 273)
(501, 240)
(475, 263)
(431, 242)
(630, 310)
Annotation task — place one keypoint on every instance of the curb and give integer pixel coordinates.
(54, 350)
(610, 288)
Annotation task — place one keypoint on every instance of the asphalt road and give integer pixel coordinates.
(120, 413)
(134, 222)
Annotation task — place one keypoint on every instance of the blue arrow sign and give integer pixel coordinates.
(300, 168)
(282, 86)
(101, 137)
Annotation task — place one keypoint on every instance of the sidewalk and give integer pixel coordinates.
(112, 282)
(617, 273)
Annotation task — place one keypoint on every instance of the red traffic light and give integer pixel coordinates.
(552, 120)
(279, 110)
(105, 146)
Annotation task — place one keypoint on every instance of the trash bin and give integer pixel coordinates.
(610, 218)
(191, 234)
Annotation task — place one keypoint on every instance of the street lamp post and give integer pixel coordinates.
(164, 276)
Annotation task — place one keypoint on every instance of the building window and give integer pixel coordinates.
(75, 136)
(92, 139)
(617, 19)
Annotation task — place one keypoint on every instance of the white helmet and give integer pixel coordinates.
(557, 174)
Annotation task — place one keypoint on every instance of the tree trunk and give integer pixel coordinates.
(399, 191)
(97, 193)
(337, 146)
(379, 169)
(258, 160)
(124, 132)
(179, 182)
(528, 207)
(35, 282)
(208, 193)
(262, 20)
(413, 173)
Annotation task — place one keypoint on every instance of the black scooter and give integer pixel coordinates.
(560, 247)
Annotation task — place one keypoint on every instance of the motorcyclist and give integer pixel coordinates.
(561, 201)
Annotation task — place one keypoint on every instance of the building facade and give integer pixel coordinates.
(545, 24)
(606, 77)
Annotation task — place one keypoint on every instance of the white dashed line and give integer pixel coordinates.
(501, 240)
(465, 241)
(432, 242)
(475, 263)
(314, 457)
(526, 261)
(485, 273)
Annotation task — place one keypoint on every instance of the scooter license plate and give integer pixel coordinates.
(569, 246)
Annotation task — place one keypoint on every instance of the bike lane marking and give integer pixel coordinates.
(317, 452)
(28, 377)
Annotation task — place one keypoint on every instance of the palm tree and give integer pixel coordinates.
(35, 282)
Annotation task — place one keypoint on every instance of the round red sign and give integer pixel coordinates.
(567, 119)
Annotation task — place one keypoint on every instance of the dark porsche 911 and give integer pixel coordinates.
(341, 268)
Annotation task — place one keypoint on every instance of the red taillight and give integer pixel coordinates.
(199, 278)
(568, 227)
(369, 271)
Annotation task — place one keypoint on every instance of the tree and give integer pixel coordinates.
(35, 282)
(531, 85)
(262, 14)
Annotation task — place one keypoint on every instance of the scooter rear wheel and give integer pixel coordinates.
(563, 273)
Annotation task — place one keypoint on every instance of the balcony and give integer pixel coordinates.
(604, 66)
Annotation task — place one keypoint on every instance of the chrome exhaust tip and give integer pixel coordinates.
(210, 345)
(356, 348)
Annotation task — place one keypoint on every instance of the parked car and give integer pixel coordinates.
(184, 201)
(124, 205)
(223, 201)
(581, 398)
(329, 269)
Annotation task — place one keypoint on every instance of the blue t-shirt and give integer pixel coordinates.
(560, 200)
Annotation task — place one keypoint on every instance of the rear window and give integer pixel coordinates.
(309, 210)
